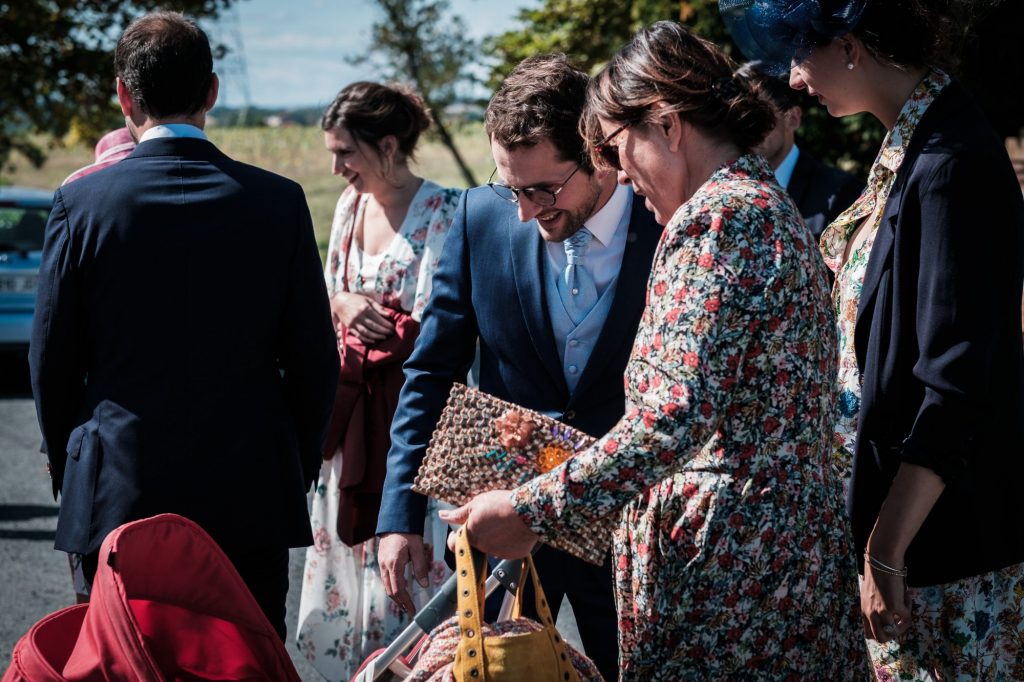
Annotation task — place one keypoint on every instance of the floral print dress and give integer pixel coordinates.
(344, 612)
(733, 559)
(971, 629)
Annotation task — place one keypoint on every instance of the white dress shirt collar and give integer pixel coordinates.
(173, 130)
(784, 173)
(606, 221)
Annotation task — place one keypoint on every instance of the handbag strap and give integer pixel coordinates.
(471, 606)
(566, 669)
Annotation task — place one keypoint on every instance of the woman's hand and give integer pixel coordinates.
(885, 605)
(492, 525)
(363, 317)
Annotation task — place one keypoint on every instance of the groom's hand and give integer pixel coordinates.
(394, 552)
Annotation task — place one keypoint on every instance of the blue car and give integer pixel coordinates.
(23, 214)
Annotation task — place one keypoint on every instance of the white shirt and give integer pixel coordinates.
(173, 130)
(604, 253)
(784, 173)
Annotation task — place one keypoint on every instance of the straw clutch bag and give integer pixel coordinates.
(483, 443)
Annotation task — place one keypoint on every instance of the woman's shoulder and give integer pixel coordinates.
(436, 201)
(438, 196)
(737, 195)
(346, 202)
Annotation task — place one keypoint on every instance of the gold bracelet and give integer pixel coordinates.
(885, 568)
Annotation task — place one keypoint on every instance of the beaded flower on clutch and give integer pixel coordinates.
(483, 443)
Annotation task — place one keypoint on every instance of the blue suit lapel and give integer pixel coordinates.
(630, 294)
(527, 249)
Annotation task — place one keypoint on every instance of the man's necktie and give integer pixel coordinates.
(576, 285)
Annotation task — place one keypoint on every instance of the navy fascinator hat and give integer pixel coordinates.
(781, 32)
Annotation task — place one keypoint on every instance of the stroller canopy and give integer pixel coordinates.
(166, 604)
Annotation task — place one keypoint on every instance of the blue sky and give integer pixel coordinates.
(295, 51)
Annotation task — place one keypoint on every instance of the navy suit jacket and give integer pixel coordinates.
(939, 348)
(821, 192)
(183, 358)
(489, 286)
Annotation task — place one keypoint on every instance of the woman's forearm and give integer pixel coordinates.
(911, 497)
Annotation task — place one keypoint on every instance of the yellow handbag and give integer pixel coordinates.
(536, 652)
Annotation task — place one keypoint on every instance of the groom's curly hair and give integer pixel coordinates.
(542, 99)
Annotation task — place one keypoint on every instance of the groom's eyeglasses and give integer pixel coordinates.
(610, 152)
(538, 195)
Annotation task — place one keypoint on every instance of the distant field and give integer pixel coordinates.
(294, 152)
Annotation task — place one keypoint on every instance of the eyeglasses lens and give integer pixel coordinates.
(610, 154)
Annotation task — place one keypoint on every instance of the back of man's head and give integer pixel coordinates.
(773, 88)
(542, 99)
(164, 60)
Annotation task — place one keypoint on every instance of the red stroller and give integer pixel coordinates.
(166, 605)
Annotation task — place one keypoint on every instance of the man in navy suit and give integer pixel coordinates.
(182, 353)
(821, 192)
(547, 269)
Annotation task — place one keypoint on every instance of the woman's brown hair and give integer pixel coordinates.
(372, 111)
(665, 62)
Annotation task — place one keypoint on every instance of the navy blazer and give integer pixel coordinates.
(183, 358)
(821, 192)
(938, 344)
(489, 286)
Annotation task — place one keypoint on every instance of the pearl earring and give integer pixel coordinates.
(849, 65)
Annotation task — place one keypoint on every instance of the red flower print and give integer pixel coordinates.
(712, 305)
(660, 288)
(611, 445)
(706, 260)
(691, 359)
(771, 424)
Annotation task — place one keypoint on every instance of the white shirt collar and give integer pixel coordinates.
(173, 130)
(784, 173)
(606, 221)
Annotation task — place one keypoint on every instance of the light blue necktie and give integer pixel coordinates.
(576, 285)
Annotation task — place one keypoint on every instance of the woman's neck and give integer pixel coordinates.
(397, 191)
(893, 87)
(709, 155)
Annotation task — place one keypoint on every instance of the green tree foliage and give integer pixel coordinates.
(56, 66)
(418, 41)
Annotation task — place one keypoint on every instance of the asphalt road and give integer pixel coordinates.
(34, 578)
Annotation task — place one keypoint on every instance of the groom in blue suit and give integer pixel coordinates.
(547, 269)
(183, 358)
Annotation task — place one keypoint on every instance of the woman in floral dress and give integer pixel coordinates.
(733, 557)
(389, 227)
(928, 267)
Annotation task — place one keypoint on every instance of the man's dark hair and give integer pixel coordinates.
(542, 99)
(775, 88)
(164, 60)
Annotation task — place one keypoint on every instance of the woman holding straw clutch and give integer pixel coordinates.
(733, 556)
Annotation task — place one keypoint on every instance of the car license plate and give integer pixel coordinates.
(18, 284)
